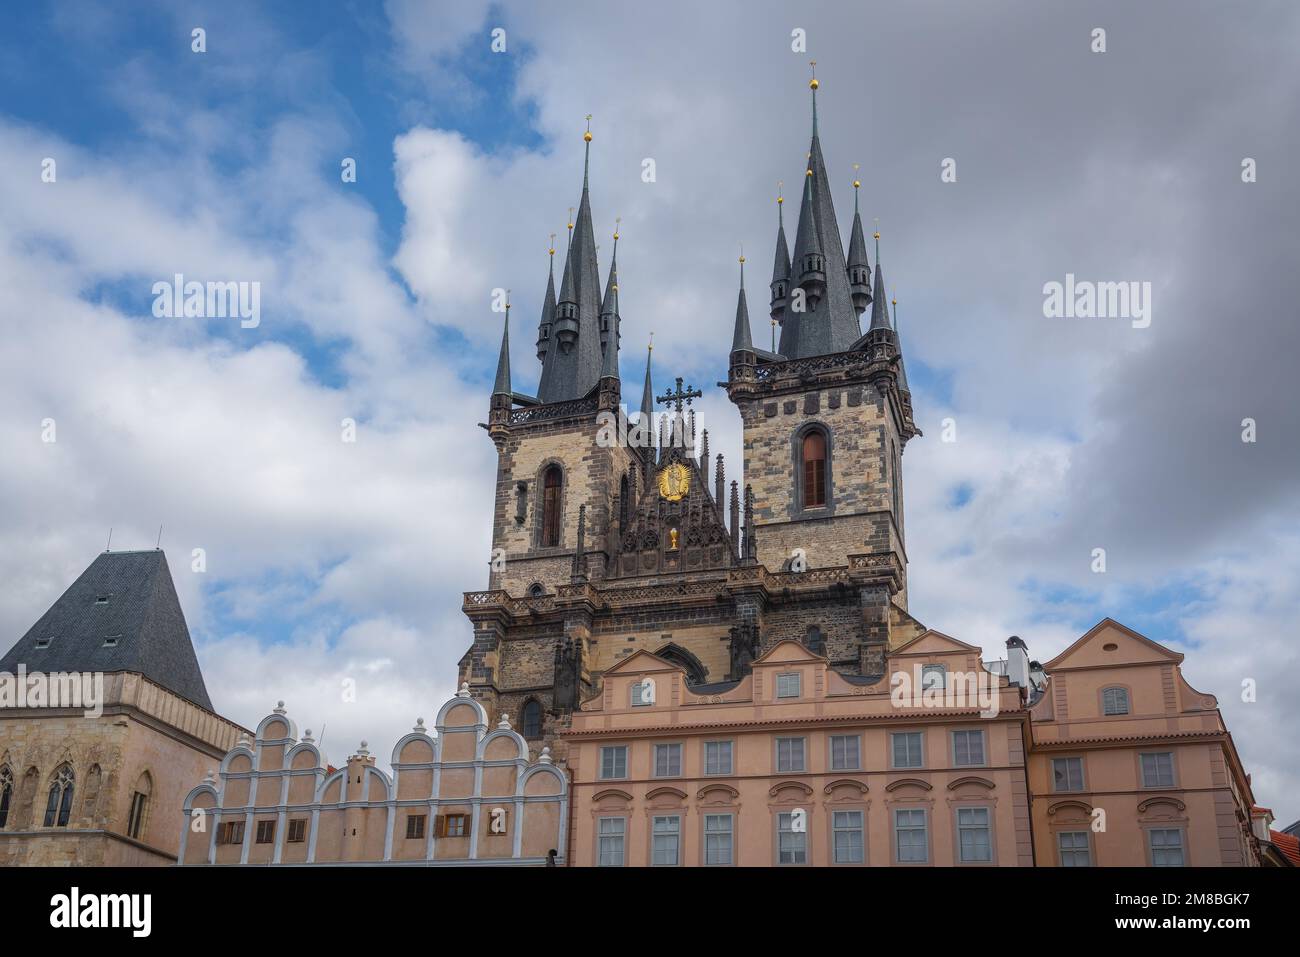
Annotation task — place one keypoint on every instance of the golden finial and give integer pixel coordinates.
(876, 220)
(587, 135)
(651, 347)
(856, 181)
(507, 303)
(780, 188)
(813, 82)
(742, 253)
(570, 219)
(551, 250)
(617, 220)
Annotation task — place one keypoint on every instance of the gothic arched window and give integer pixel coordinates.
(552, 483)
(59, 804)
(139, 805)
(6, 793)
(532, 719)
(813, 460)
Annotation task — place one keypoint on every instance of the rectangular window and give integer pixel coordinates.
(666, 841)
(613, 762)
(668, 760)
(909, 836)
(43, 642)
(789, 754)
(265, 832)
(642, 694)
(717, 757)
(1067, 774)
(845, 752)
(846, 828)
(231, 832)
(297, 830)
(968, 749)
(453, 825)
(1158, 769)
(787, 685)
(1166, 847)
(135, 820)
(974, 844)
(414, 826)
(717, 838)
(792, 845)
(611, 832)
(1114, 701)
(907, 749)
(1073, 848)
(933, 676)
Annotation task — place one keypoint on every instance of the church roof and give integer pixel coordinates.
(127, 595)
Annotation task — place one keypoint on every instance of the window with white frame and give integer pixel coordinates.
(906, 747)
(845, 752)
(612, 833)
(668, 760)
(846, 836)
(789, 754)
(787, 684)
(1067, 774)
(934, 677)
(1166, 847)
(1074, 849)
(1158, 769)
(666, 841)
(1114, 701)
(613, 762)
(717, 757)
(718, 834)
(912, 846)
(792, 845)
(973, 840)
(968, 748)
(642, 693)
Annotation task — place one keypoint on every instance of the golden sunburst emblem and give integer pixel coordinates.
(674, 482)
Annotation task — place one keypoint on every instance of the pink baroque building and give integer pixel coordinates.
(463, 794)
(796, 764)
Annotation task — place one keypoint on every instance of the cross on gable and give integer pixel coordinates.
(680, 395)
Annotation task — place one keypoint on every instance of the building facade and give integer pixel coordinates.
(459, 794)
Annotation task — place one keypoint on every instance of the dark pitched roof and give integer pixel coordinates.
(142, 610)
(502, 384)
(647, 393)
(741, 339)
(832, 326)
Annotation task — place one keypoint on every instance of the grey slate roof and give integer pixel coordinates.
(833, 325)
(502, 384)
(879, 307)
(142, 610)
(741, 339)
(548, 314)
(781, 265)
(573, 374)
(647, 393)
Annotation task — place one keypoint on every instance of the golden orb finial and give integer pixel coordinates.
(587, 135)
(813, 84)
(651, 347)
(876, 234)
(780, 188)
(856, 182)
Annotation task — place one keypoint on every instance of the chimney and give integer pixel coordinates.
(1017, 662)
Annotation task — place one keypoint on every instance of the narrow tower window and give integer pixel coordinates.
(551, 485)
(59, 805)
(814, 470)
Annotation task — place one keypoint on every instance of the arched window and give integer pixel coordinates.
(139, 805)
(1114, 701)
(552, 482)
(59, 804)
(814, 469)
(536, 590)
(6, 793)
(623, 504)
(532, 719)
(814, 641)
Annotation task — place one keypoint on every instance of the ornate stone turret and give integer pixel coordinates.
(780, 284)
(743, 357)
(859, 268)
(501, 402)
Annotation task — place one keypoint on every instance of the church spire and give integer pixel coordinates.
(741, 339)
(859, 267)
(781, 267)
(879, 308)
(609, 302)
(548, 309)
(898, 338)
(808, 248)
(502, 385)
(648, 394)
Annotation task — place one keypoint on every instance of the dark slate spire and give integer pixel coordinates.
(128, 596)
(780, 284)
(809, 264)
(502, 384)
(548, 310)
(859, 267)
(609, 302)
(648, 394)
(898, 337)
(879, 308)
(741, 340)
(573, 364)
(832, 324)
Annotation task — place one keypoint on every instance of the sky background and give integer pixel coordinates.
(329, 561)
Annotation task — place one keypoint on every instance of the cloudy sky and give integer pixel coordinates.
(329, 561)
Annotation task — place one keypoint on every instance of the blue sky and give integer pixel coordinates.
(326, 561)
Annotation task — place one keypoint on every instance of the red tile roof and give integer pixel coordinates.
(1288, 844)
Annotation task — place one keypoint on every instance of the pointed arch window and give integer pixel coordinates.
(59, 804)
(6, 794)
(552, 485)
(532, 719)
(139, 805)
(814, 469)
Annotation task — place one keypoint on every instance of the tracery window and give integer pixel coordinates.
(59, 804)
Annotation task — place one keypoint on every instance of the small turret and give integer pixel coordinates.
(781, 267)
(810, 263)
(879, 305)
(548, 308)
(859, 268)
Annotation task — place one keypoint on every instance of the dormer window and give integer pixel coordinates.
(43, 642)
(102, 599)
(110, 641)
